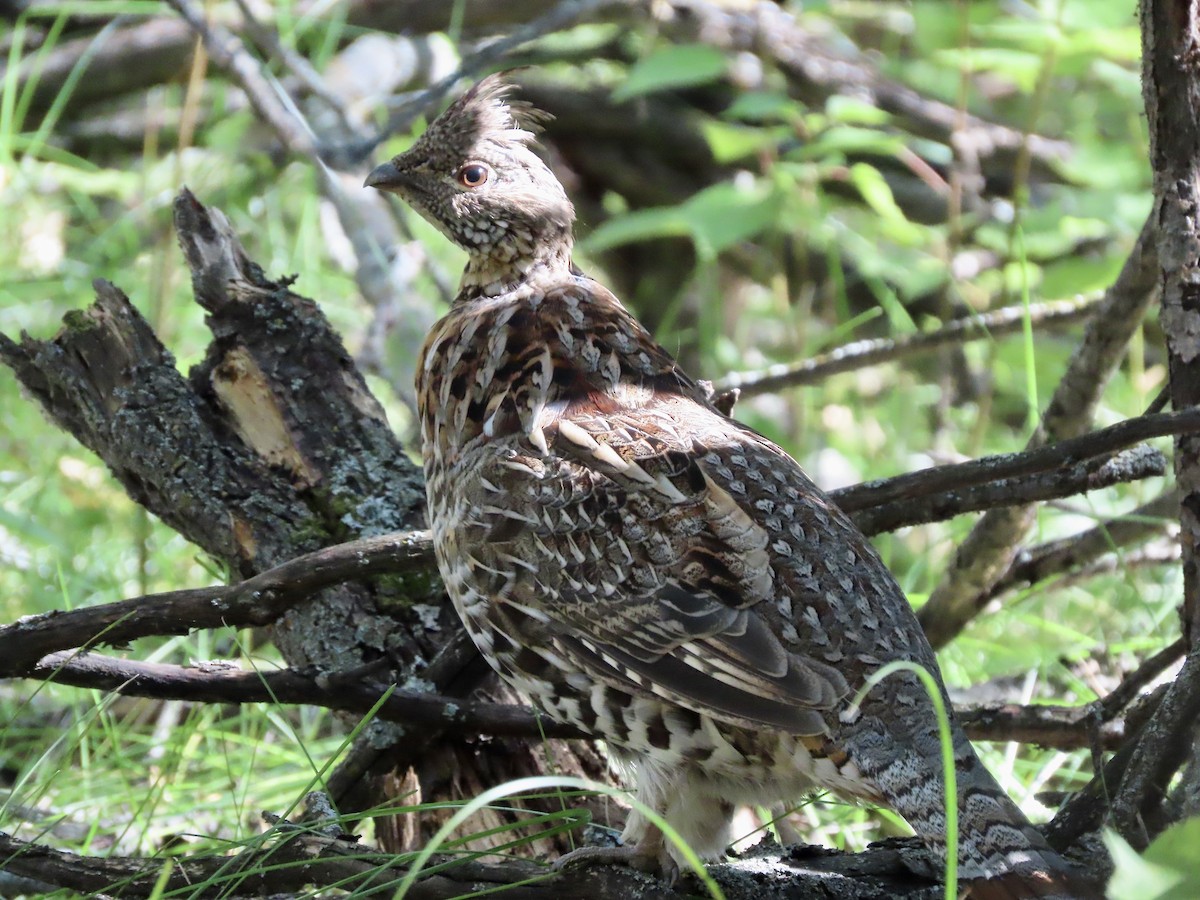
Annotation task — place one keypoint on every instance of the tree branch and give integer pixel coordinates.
(1078, 550)
(1013, 465)
(1062, 727)
(1171, 88)
(162, 47)
(817, 72)
(357, 691)
(861, 354)
(1064, 481)
(1134, 684)
(291, 859)
(263, 598)
(227, 51)
(256, 601)
(1160, 749)
(1086, 810)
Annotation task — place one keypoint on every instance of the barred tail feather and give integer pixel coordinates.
(1001, 856)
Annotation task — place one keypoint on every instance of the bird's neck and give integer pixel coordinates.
(505, 267)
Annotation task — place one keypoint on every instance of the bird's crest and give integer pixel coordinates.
(484, 112)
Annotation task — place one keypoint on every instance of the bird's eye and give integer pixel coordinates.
(474, 175)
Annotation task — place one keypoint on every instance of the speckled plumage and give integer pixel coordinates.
(642, 565)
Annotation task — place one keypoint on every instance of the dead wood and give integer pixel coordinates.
(270, 448)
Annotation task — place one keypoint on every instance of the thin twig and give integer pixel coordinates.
(271, 104)
(1160, 750)
(268, 42)
(1078, 550)
(222, 682)
(816, 70)
(861, 354)
(1123, 565)
(1142, 677)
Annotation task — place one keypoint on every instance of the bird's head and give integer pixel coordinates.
(473, 175)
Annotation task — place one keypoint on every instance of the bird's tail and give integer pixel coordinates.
(1001, 856)
(1041, 884)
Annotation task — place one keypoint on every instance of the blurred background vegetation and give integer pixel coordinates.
(756, 195)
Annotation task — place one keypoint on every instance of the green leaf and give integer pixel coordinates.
(877, 193)
(681, 65)
(1078, 274)
(1117, 44)
(1020, 66)
(875, 190)
(97, 9)
(854, 111)
(715, 219)
(726, 213)
(1167, 870)
(848, 139)
(760, 106)
(732, 142)
(1175, 849)
(643, 224)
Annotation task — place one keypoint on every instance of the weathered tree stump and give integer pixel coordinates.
(271, 447)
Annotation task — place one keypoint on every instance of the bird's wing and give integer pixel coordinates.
(654, 579)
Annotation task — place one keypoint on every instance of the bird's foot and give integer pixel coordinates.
(638, 856)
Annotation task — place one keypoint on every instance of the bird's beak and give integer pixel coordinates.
(385, 177)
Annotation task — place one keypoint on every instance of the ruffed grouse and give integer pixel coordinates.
(645, 567)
